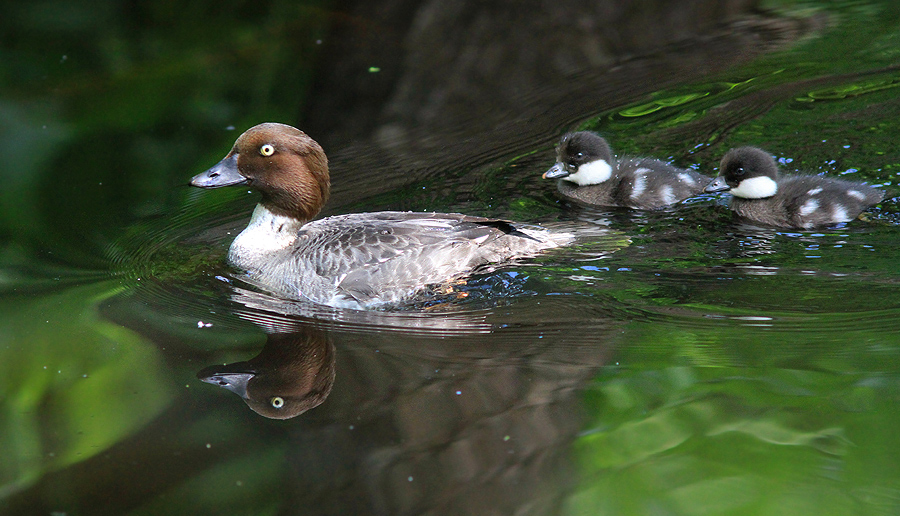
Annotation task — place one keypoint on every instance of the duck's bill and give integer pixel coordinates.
(717, 185)
(224, 173)
(233, 377)
(556, 171)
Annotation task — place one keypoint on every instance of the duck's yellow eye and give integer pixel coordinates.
(277, 402)
(267, 150)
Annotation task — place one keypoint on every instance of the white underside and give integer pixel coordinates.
(755, 188)
(592, 173)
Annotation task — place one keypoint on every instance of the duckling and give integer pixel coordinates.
(589, 173)
(359, 260)
(761, 195)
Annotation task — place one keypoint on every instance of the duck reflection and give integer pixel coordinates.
(293, 373)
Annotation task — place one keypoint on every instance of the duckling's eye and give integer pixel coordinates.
(579, 155)
(277, 402)
(267, 150)
(739, 171)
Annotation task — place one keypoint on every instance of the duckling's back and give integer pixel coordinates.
(805, 201)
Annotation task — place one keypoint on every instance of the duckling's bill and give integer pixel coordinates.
(590, 173)
(717, 185)
(556, 171)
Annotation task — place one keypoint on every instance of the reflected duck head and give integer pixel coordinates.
(285, 165)
(293, 373)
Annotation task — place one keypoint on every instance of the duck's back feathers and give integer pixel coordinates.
(368, 259)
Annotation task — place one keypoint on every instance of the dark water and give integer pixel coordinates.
(673, 362)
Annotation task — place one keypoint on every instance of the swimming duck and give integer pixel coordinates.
(589, 173)
(761, 195)
(359, 260)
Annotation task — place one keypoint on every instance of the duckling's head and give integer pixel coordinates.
(748, 172)
(288, 168)
(583, 158)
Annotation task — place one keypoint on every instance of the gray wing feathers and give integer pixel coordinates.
(369, 255)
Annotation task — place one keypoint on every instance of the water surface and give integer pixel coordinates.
(676, 361)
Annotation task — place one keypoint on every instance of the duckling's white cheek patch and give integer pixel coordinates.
(755, 188)
(591, 173)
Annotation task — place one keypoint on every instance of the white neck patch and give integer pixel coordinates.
(591, 173)
(755, 188)
(266, 232)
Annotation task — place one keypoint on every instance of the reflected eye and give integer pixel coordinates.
(579, 155)
(277, 402)
(267, 149)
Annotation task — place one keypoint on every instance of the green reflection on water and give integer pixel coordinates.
(656, 105)
(73, 383)
(249, 484)
(850, 90)
(714, 440)
(754, 423)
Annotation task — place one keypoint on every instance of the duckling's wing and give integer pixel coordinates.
(651, 183)
(815, 200)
